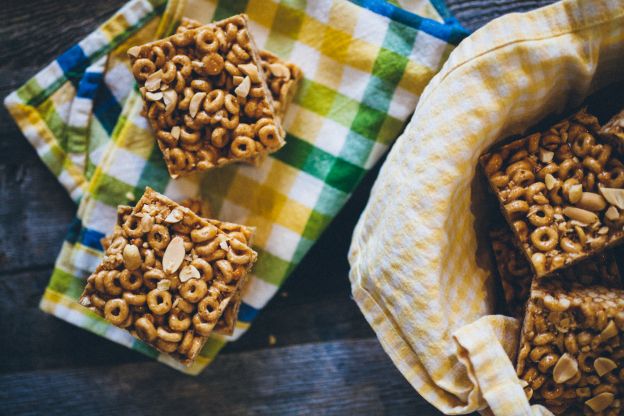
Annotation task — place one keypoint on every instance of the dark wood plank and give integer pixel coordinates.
(346, 377)
(475, 13)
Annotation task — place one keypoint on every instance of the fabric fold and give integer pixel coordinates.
(365, 65)
(419, 273)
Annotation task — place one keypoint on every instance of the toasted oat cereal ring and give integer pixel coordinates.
(231, 30)
(517, 207)
(128, 322)
(97, 301)
(132, 227)
(158, 237)
(183, 65)
(206, 159)
(180, 83)
(570, 246)
(602, 153)
(117, 245)
(523, 177)
(112, 283)
(167, 138)
(216, 255)
(223, 287)
(257, 92)
(159, 301)
(168, 336)
(224, 269)
(240, 53)
(206, 41)
(269, 137)
(186, 343)
(196, 346)
(182, 305)
(243, 147)
(613, 178)
(214, 101)
(545, 238)
(230, 122)
(242, 38)
(533, 190)
(143, 68)
(157, 56)
(592, 164)
(220, 137)
(208, 309)
(500, 180)
(99, 281)
(152, 277)
(182, 39)
(239, 253)
(494, 164)
(168, 49)
(179, 321)
(205, 250)
(244, 129)
(145, 329)
(213, 64)
(583, 144)
(134, 299)
(131, 280)
(189, 137)
(207, 232)
(566, 167)
(201, 327)
(205, 269)
(166, 346)
(551, 168)
(116, 311)
(193, 290)
(521, 164)
(551, 390)
(232, 105)
(541, 215)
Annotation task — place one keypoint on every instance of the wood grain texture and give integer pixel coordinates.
(337, 378)
(475, 13)
(326, 360)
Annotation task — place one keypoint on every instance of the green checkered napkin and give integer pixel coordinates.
(365, 63)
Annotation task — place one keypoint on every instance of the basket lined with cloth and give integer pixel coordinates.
(417, 272)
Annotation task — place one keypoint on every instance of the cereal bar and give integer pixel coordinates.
(282, 77)
(613, 132)
(516, 275)
(244, 234)
(562, 192)
(206, 97)
(571, 352)
(168, 275)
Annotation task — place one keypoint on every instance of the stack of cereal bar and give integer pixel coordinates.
(207, 96)
(561, 192)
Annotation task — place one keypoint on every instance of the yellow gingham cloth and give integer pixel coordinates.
(414, 252)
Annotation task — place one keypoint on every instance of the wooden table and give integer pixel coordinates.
(326, 359)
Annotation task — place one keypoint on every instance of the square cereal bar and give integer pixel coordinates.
(206, 97)
(613, 132)
(516, 275)
(167, 276)
(282, 76)
(561, 191)
(571, 348)
(242, 233)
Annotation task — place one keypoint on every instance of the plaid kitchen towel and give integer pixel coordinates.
(365, 64)
(417, 273)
